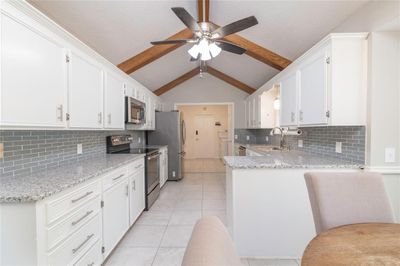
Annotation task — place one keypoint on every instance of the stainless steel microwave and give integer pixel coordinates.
(135, 111)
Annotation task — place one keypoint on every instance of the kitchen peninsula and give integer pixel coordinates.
(268, 210)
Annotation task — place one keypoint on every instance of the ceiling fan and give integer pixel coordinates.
(207, 37)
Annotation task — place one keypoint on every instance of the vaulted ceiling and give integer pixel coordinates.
(119, 30)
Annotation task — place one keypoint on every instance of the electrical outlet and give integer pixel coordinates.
(390, 155)
(247, 137)
(79, 148)
(266, 138)
(139, 140)
(1, 150)
(338, 148)
(236, 136)
(300, 143)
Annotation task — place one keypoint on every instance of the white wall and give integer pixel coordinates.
(208, 90)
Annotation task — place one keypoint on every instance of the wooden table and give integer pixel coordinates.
(358, 244)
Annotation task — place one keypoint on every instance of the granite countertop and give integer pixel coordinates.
(40, 185)
(287, 159)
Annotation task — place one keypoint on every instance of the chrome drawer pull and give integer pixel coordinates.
(74, 250)
(83, 217)
(91, 264)
(118, 177)
(81, 197)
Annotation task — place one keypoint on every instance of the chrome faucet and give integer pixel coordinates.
(283, 142)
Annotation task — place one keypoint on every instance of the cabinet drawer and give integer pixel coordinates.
(66, 227)
(79, 243)
(114, 177)
(65, 204)
(133, 167)
(93, 257)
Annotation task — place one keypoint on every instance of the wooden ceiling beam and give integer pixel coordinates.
(228, 79)
(169, 86)
(153, 53)
(260, 53)
(207, 10)
(200, 11)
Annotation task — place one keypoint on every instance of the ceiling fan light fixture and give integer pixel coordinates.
(194, 51)
(214, 49)
(205, 56)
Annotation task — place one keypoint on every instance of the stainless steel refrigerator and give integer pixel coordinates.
(170, 130)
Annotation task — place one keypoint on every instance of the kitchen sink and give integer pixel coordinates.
(266, 148)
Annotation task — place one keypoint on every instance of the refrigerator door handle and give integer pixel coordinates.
(183, 132)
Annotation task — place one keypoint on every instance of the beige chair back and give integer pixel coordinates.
(347, 198)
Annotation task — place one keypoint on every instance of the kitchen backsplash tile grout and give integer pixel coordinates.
(317, 140)
(27, 151)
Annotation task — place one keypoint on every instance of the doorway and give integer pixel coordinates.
(209, 135)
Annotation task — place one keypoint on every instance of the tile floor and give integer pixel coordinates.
(160, 236)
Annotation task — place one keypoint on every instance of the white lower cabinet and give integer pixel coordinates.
(79, 226)
(137, 193)
(115, 214)
(163, 166)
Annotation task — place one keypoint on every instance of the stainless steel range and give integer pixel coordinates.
(121, 144)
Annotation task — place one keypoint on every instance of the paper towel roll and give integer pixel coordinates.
(296, 132)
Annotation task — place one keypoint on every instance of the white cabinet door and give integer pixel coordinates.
(249, 113)
(85, 93)
(288, 87)
(114, 103)
(33, 77)
(313, 91)
(115, 214)
(137, 195)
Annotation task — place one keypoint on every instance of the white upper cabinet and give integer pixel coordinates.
(114, 102)
(289, 91)
(313, 91)
(33, 77)
(85, 93)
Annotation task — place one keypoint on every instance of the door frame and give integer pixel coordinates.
(231, 104)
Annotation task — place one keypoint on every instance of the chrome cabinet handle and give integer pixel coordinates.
(301, 116)
(91, 264)
(74, 250)
(292, 116)
(60, 113)
(81, 197)
(127, 190)
(118, 177)
(134, 185)
(100, 120)
(109, 118)
(83, 217)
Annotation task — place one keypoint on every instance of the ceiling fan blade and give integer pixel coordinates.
(173, 41)
(230, 47)
(186, 18)
(234, 27)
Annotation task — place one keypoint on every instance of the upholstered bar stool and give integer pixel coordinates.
(347, 198)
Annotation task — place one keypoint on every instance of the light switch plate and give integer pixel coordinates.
(236, 136)
(79, 148)
(390, 155)
(338, 147)
(247, 137)
(300, 143)
(1, 150)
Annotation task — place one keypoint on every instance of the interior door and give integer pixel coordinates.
(33, 77)
(205, 137)
(85, 93)
(288, 98)
(313, 92)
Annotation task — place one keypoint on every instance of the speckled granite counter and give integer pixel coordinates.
(287, 159)
(40, 185)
